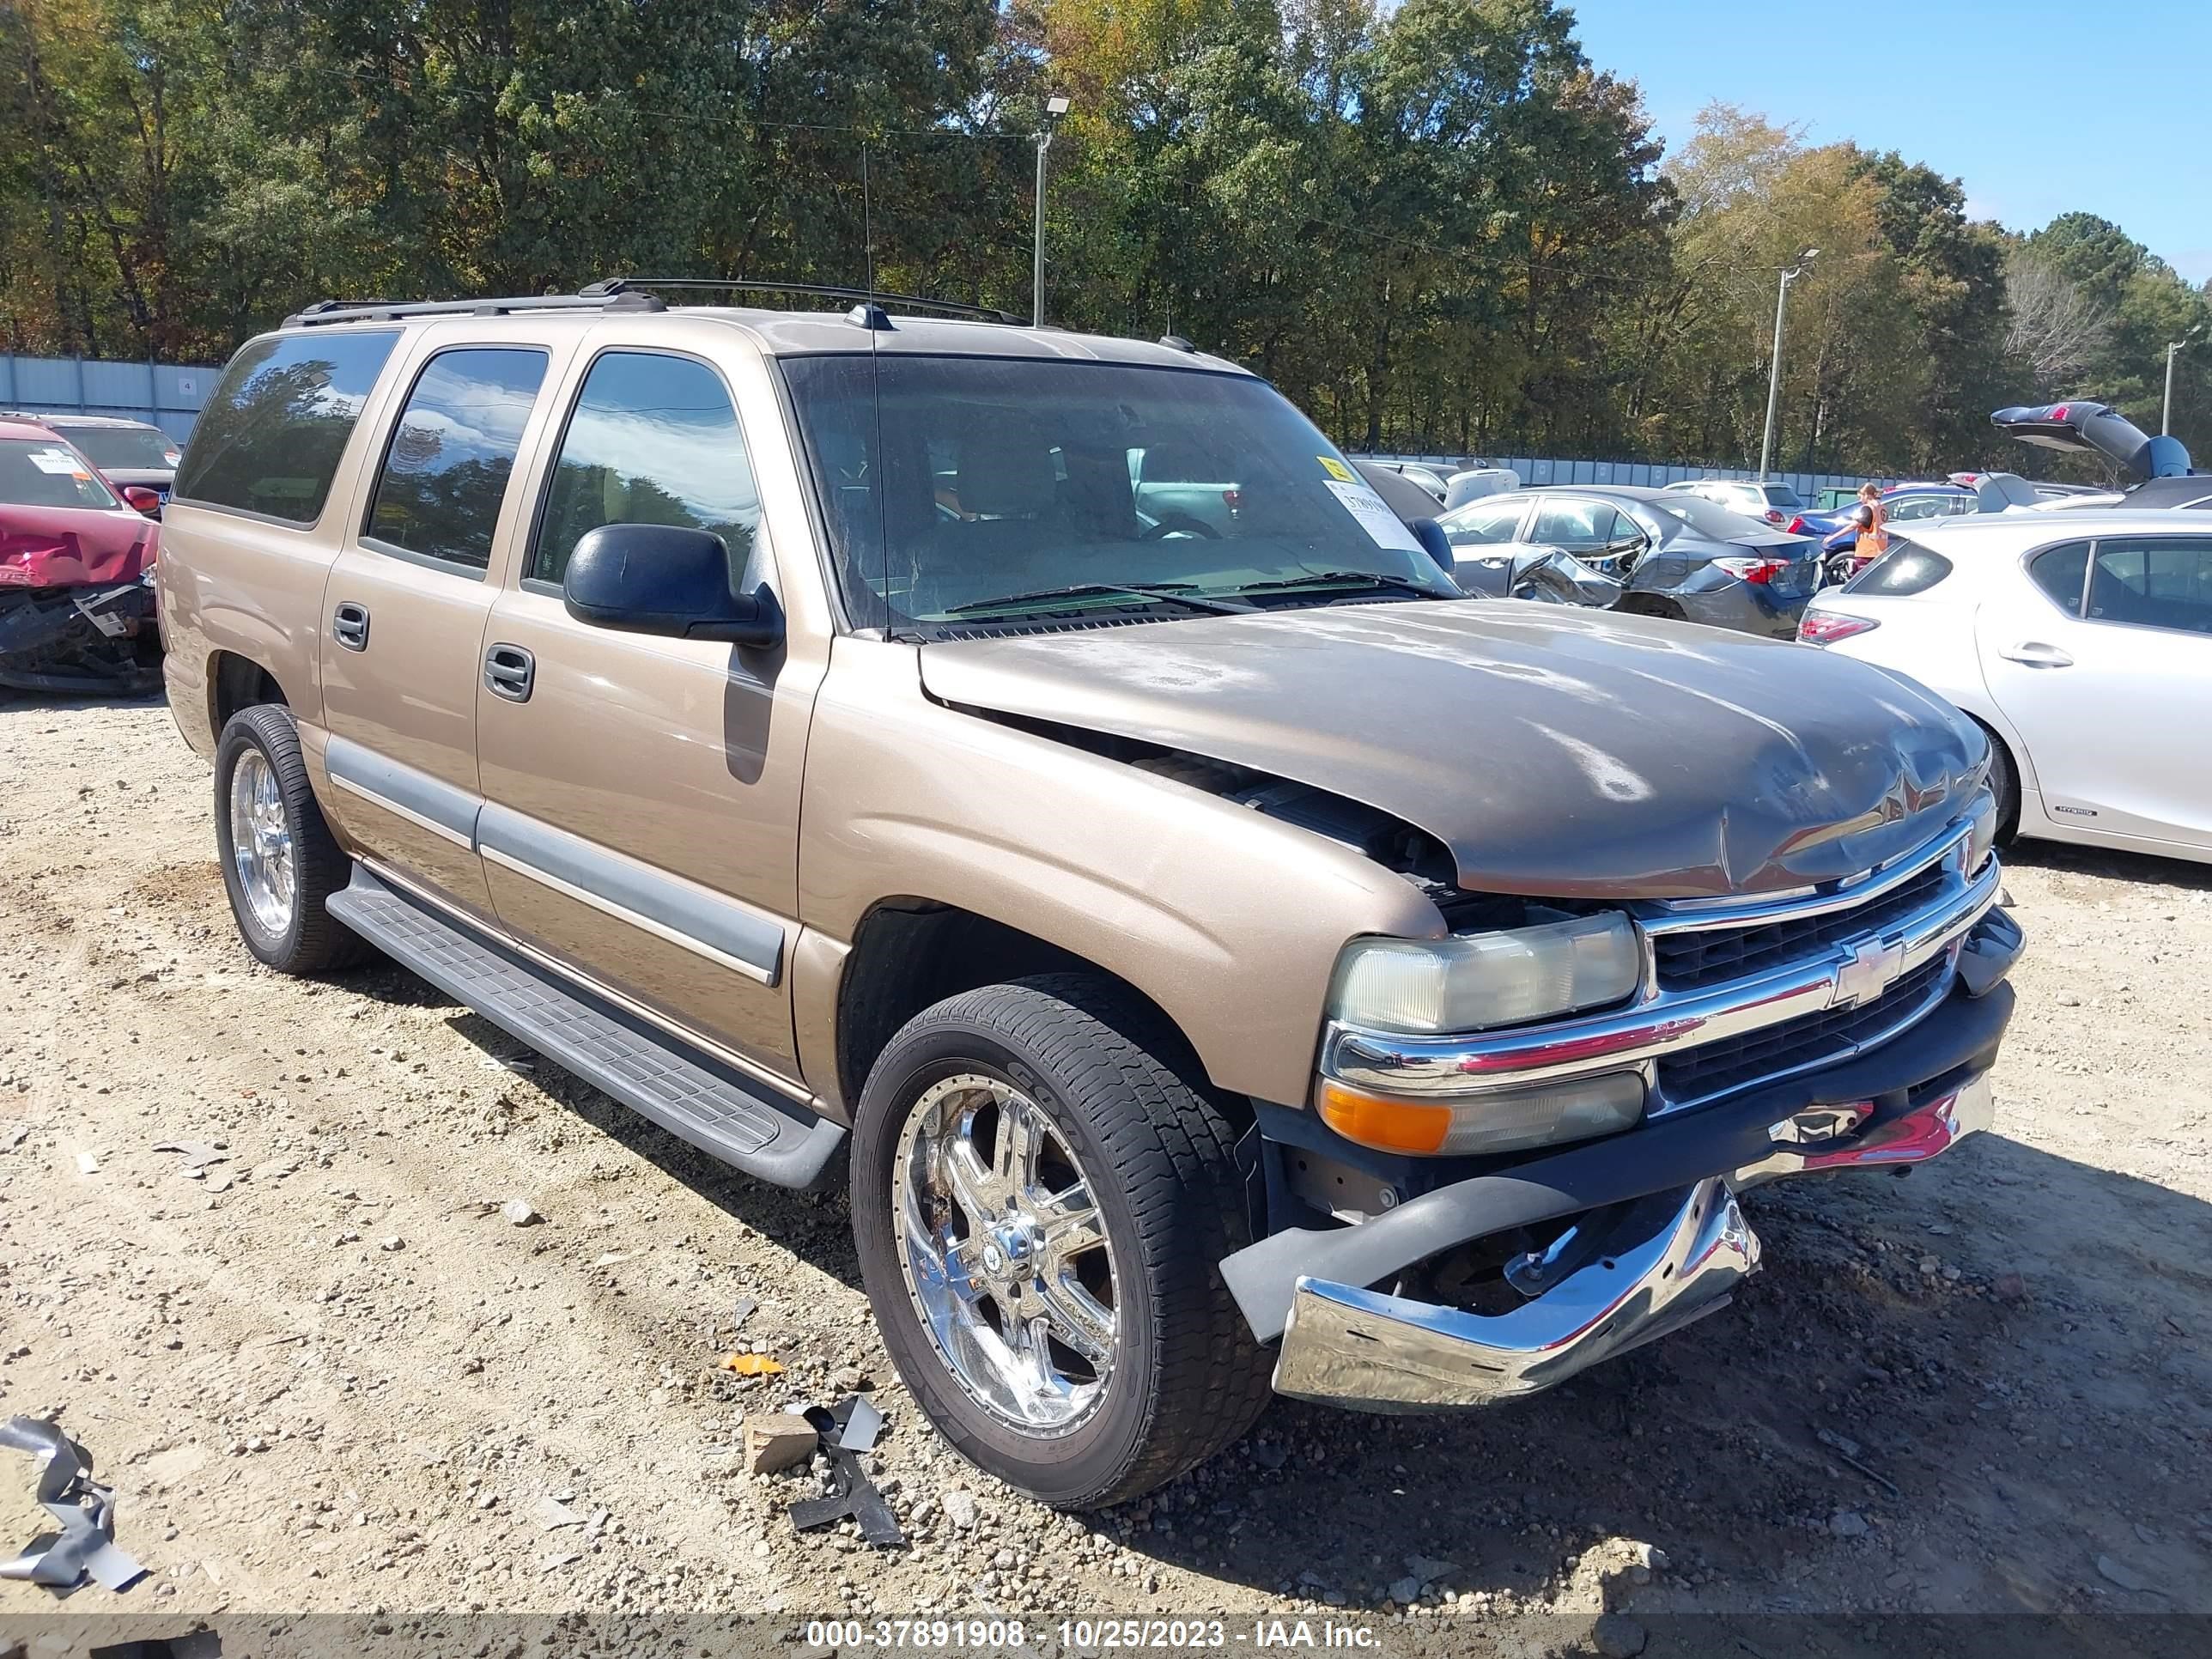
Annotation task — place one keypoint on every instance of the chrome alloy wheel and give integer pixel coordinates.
(261, 842)
(1005, 1253)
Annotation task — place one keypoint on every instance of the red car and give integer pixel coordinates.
(76, 576)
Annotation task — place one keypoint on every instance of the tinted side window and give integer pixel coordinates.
(1907, 567)
(2153, 584)
(450, 454)
(2058, 572)
(653, 439)
(269, 439)
(1484, 523)
(1576, 526)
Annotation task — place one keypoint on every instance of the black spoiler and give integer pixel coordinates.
(2099, 429)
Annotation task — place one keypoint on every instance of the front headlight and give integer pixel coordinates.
(1476, 982)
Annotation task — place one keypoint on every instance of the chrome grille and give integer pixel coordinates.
(1690, 960)
(1714, 1068)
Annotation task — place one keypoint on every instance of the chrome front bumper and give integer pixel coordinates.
(1670, 1259)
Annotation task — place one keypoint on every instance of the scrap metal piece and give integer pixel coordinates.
(851, 1492)
(198, 1154)
(196, 1644)
(84, 1509)
(863, 1424)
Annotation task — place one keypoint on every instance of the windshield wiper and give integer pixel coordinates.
(1365, 580)
(1171, 593)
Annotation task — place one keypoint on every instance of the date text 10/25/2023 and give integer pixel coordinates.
(979, 1635)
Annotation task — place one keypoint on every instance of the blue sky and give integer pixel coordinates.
(2038, 107)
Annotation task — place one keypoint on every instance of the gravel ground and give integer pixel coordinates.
(330, 1374)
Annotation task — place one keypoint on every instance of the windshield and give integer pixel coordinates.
(1782, 495)
(954, 483)
(143, 447)
(46, 473)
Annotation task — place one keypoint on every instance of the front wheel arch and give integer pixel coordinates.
(909, 953)
(2004, 780)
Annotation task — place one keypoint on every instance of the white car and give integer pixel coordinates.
(1777, 503)
(2081, 642)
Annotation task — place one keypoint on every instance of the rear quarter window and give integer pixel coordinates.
(2059, 572)
(269, 440)
(1907, 568)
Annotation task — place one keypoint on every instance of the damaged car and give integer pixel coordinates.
(138, 458)
(1214, 963)
(1648, 552)
(76, 594)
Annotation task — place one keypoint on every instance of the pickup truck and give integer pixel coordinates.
(1212, 963)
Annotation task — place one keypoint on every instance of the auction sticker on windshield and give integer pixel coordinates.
(59, 462)
(1385, 527)
(1336, 469)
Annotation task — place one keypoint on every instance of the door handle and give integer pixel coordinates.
(510, 671)
(350, 625)
(2034, 653)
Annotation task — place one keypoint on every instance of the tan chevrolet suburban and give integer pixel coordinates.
(1216, 952)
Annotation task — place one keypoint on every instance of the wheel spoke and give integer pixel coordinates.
(1076, 1319)
(1071, 1225)
(1021, 1140)
(974, 1186)
(958, 1256)
(1035, 1351)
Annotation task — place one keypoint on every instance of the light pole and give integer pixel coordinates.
(1054, 109)
(1789, 274)
(2166, 415)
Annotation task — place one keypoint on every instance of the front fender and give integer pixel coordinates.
(1228, 919)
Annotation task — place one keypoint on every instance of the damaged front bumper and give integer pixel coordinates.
(1657, 1239)
(96, 637)
(1672, 1258)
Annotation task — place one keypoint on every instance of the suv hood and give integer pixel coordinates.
(1554, 752)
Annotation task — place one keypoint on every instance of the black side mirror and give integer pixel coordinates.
(661, 579)
(1434, 542)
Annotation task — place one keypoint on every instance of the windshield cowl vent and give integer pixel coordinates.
(1059, 625)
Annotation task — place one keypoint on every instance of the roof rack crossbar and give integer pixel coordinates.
(381, 311)
(617, 285)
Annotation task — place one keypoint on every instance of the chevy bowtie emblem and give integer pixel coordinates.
(1873, 965)
(1904, 798)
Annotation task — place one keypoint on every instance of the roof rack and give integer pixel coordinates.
(385, 311)
(616, 286)
(625, 294)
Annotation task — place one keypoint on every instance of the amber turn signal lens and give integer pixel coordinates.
(1391, 1126)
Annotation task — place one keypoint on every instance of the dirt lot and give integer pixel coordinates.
(337, 1382)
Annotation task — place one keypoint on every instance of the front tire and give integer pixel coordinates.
(1041, 1196)
(280, 861)
(2004, 784)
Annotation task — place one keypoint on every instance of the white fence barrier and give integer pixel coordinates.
(170, 395)
(1536, 470)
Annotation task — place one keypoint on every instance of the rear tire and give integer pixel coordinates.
(291, 863)
(1106, 1083)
